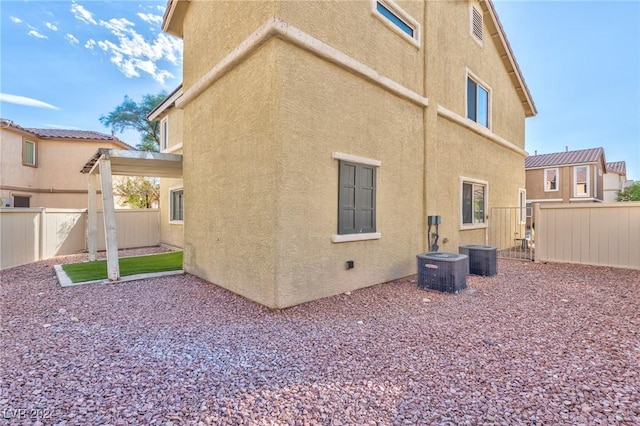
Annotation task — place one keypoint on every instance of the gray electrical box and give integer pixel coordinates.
(434, 220)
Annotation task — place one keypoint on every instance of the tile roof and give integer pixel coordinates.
(69, 134)
(64, 133)
(583, 156)
(619, 167)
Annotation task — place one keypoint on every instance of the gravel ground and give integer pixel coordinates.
(536, 344)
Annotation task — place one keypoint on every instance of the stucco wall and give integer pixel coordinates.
(342, 113)
(171, 232)
(231, 160)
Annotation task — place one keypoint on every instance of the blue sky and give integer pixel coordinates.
(64, 64)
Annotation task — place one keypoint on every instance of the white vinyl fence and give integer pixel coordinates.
(591, 234)
(32, 234)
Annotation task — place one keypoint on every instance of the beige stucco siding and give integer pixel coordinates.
(458, 154)
(352, 28)
(215, 28)
(342, 113)
(231, 162)
(451, 51)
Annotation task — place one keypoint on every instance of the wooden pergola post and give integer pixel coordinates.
(92, 220)
(109, 213)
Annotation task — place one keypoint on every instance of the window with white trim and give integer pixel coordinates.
(29, 155)
(356, 198)
(477, 101)
(176, 205)
(397, 19)
(551, 179)
(581, 181)
(476, 24)
(474, 202)
(164, 133)
(529, 209)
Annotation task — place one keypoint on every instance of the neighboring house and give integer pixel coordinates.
(615, 180)
(317, 137)
(171, 189)
(565, 177)
(41, 167)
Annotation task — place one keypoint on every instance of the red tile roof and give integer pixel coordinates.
(583, 156)
(64, 133)
(619, 167)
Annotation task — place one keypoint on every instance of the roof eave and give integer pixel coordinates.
(508, 58)
(173, 17)
(167, 103)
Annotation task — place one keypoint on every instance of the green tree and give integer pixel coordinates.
(131, 115)
(139, 192)
(630, 193)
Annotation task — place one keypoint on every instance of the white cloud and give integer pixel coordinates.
(150, 18)
(15, 20)
(64, 127)
(90, 44)
(134, 55)
(82, 14)
(23, 100)
(36, 34)
(72, 39)
(51, 26)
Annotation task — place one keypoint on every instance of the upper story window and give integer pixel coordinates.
(164, 133)
(550, 180)
(474, 202)
(477, 101)
(29, 157)
(476, 24)
(581, 181)
(397, 19)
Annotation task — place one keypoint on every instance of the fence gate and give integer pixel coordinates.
(511, 231)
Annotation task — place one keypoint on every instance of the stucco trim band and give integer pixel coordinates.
(481, 130)
(276, 27)
(356, 159)
(355, 237)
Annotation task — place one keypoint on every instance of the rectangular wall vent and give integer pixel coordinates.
(476, 23)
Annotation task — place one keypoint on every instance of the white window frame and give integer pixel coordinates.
(164, 134)
(171, 192)
(345, 238)
(472, 8)
(401, 15)
(474, 225)
(587, 193)
(544, 179)
(522, 204)
(35, 153)
(470, 75)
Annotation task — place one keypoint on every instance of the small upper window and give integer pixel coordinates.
(477, 102)
(550, 180)
(397, 19)
(164, 134)
(476, 23)
(29, 154)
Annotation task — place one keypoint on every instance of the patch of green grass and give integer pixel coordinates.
(89, 271)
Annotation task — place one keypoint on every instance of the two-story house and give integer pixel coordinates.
(615, 180)
(565, 177)
(317, 137)
(41, 167)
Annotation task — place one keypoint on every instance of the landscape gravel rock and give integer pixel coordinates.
(537, 344)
